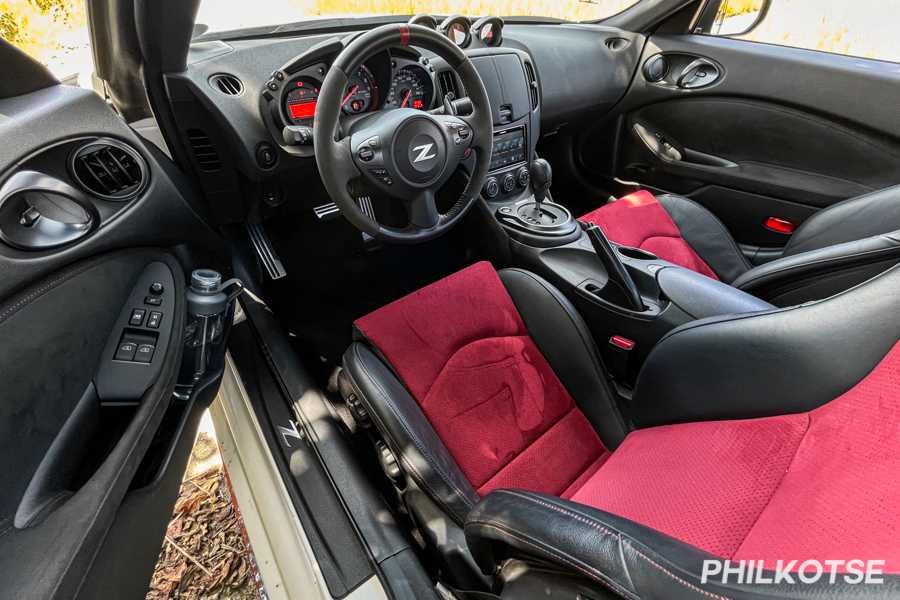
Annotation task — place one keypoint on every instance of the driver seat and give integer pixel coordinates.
(488, 390)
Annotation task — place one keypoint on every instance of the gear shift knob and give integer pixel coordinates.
(541, 178)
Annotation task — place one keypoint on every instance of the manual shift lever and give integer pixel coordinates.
(541, 179)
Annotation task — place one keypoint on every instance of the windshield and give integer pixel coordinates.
(223, 15)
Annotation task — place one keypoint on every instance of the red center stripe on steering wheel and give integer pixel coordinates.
(404, 35)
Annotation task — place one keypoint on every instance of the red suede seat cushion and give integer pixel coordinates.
(821, 485)
(640, 221)
(462, 350)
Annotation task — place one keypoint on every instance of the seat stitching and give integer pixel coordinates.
(593, 524)
(416, 441)
(687, 584)
(591, 572)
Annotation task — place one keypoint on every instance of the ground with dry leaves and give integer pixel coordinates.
(205, 554)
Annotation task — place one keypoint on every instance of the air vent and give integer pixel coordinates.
(448, 84)
(532, 85)
(204, 152)
(227, 84)
(616, 43)
(109, 169)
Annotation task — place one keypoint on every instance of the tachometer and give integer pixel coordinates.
(300, 101)
(361, 93)
(411, 87)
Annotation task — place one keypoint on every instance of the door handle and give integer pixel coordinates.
(699, 73)
(657, 143)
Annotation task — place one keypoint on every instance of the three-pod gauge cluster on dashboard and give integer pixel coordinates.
(462, 31)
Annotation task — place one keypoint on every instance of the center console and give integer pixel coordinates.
(629, 298)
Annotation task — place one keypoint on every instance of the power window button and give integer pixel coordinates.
(126, 351)
(137, 317)
(153, 301)
(144, 353)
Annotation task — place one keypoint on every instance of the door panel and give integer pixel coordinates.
(93, 439)
(780, 132)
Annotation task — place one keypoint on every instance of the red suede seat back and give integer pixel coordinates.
(640, 221)
(462, 350)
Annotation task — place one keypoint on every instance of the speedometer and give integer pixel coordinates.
(411, 87)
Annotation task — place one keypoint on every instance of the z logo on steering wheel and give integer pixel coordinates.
(425, 153)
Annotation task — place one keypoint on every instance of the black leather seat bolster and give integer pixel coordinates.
(563, 338)
(784, 361)
(815, 268)
(616, 554)
(408, 433)
(706, 234)
(872, 214)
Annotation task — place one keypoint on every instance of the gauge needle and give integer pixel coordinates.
(349, 95)
(406, 98)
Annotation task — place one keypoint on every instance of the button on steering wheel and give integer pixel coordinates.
(406, 154)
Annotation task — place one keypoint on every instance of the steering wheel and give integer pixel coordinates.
(405, 153)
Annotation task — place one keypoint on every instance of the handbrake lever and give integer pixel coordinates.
(618, 275)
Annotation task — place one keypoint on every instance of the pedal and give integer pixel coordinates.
(265, 251)
(365, 205)
(327, 212)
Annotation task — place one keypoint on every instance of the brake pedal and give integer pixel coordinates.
(265, 251)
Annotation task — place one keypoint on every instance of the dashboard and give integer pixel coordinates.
(247, 106)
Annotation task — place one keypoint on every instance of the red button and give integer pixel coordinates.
(780, 225)
(622, 342)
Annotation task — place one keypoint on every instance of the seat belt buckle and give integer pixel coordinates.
(618, 352)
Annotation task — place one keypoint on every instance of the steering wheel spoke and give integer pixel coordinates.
(422, 210)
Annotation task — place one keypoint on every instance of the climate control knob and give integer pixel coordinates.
(523, 177)
(491, 188)
(509, 182)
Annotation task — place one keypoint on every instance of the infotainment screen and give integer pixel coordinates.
(509, 148)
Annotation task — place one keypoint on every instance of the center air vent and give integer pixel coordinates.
(109, 169)
(532, 85)
(227, 84)
(448, 85)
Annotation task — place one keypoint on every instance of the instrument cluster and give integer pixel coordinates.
(409, 84)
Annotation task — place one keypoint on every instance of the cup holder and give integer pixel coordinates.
(636, 253)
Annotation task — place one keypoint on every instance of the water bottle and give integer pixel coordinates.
(208, 299)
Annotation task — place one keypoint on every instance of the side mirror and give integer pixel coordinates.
(738, 17)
